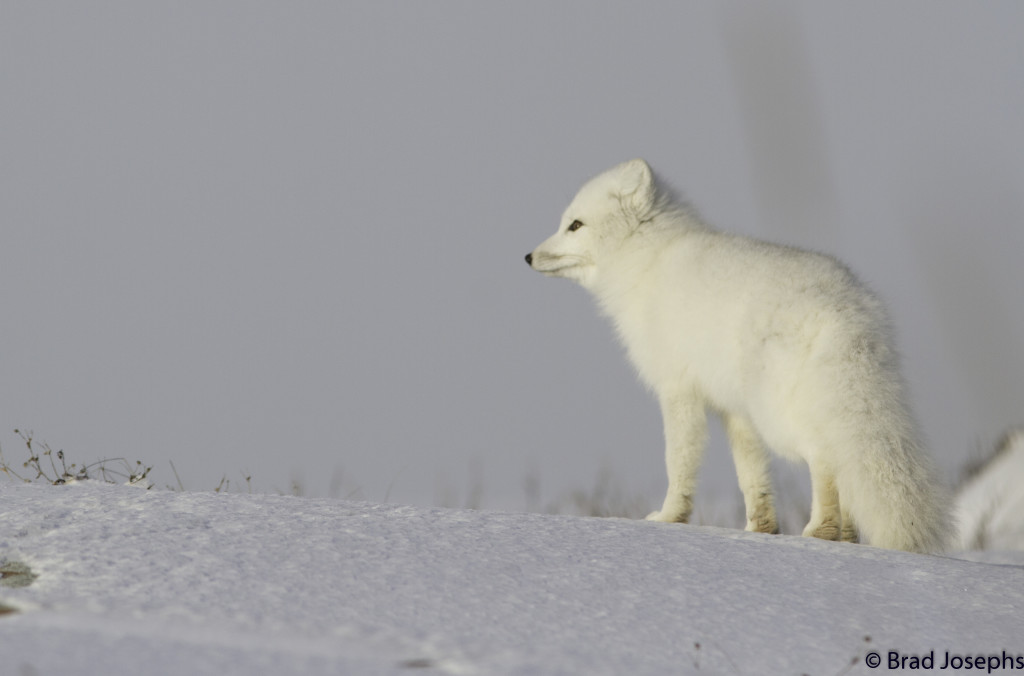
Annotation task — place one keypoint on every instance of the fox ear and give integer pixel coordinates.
(636, 186)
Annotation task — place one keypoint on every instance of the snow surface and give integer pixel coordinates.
(157, 582)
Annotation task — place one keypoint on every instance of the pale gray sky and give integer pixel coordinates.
(287, 238)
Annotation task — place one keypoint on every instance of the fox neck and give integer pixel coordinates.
(621, 281)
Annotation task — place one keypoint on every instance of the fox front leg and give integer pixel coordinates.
(685, 437)
(754, 474)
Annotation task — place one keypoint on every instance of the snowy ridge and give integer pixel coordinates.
(204, 583)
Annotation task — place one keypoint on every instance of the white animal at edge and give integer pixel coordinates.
(784, 344)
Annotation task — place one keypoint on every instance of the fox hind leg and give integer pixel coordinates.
(849, 532)
(826, 517)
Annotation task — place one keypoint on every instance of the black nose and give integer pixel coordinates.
(529, 259)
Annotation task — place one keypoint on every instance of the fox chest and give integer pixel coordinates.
(674, 344)
(659, 343)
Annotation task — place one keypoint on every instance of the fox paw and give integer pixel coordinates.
(666, 518)
(763, 525)
(849, 534)
(823, 531)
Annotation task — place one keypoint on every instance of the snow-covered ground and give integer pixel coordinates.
(157, 582)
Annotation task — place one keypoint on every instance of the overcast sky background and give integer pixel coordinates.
(287, 238)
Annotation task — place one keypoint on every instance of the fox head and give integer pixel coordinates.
(606, 210)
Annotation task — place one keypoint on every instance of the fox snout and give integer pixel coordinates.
(548, 261)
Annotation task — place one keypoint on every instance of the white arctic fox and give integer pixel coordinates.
(786, 345)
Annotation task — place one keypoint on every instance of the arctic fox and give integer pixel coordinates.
(784, 344)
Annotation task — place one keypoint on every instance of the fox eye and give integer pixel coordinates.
(575, 225)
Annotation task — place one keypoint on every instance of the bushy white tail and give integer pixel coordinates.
(886, 481)
(892, 496)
